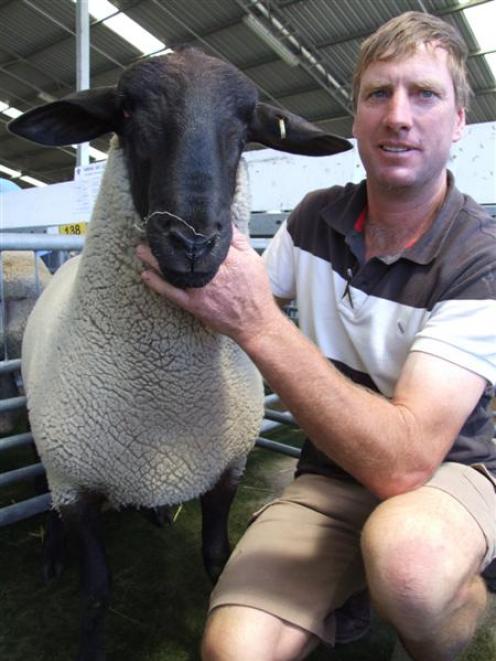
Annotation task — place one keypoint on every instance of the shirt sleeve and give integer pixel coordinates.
(462, 332)
(279, 261)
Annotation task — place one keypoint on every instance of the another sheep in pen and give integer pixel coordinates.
(131, 400)
(20, 290)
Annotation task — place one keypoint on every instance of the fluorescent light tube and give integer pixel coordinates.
(101, 9)
(12, 173)
(125, 27)
(271, 40)
(12, 112)
(32, 181)
(97, 154)
(8, 110)
(133, 33)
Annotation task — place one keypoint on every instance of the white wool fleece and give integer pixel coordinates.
(128, 395)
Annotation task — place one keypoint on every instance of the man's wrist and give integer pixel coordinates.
(262, 339)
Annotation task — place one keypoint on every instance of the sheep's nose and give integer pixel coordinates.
(192, 246)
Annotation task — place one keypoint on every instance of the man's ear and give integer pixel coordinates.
(459, 124)
(76, 118)
(280, 129)
(353, 127)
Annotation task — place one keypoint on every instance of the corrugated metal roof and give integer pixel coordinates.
(37, 56)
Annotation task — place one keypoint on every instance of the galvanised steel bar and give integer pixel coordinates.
(275, 446)
(25, 241)
(7, 366)
(280, 416)
(16, 441)
(82, 66)
(12, 404)
(21, 474)
(25, 509)
(3, 308)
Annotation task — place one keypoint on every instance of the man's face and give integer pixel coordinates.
(407, 119)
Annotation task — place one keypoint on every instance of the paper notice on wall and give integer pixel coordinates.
(87, 179)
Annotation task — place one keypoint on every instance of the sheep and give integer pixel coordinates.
(132, 400)
(20, 292)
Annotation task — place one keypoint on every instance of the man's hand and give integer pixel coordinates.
(236, 302)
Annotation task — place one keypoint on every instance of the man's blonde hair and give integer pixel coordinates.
(400, 37)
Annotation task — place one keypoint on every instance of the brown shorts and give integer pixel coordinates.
(300, 557)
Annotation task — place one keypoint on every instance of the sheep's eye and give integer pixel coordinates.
(126, 109)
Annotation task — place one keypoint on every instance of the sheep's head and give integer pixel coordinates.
(183, 120)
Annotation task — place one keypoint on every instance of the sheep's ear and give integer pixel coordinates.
(75, 118)
(279, 129)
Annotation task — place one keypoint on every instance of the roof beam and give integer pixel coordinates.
(307, 54)
(202, 40)
(35, 7)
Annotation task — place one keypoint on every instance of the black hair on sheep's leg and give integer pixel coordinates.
(53, 547)
(83, 520)
(215, 505)
(54, 539)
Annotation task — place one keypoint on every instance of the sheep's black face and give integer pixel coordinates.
(184, 120)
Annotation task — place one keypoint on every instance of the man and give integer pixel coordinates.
(396, 287)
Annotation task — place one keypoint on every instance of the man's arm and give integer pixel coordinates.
(390, 446)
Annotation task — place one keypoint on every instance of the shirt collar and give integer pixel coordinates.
(346, 215)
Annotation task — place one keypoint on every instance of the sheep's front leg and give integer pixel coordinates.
(53, 547)
(83, 519)
(216, 504)
(54, 542)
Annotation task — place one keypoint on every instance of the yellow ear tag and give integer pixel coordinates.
(282, 127)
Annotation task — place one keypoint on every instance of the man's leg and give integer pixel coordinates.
(423, 552)
(238, 633)
(298, 562)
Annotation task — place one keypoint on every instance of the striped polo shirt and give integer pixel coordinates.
(437, 296)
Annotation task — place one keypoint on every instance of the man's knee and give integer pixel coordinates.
(226, 634)
(412, 557)
(242, 634)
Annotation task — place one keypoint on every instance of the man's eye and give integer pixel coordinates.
(378, 94)
(427, 94)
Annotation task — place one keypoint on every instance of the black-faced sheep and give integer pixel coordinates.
(132, 400)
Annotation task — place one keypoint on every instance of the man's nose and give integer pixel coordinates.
(398, 111)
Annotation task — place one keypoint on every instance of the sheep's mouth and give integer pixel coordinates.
(188, 264)
(187, 280)
(183, 272)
